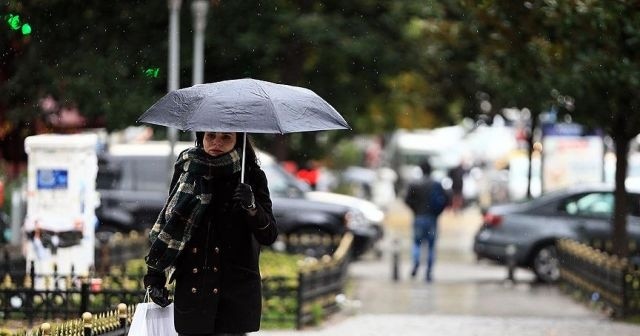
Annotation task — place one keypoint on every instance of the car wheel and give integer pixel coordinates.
(545, 264)
(310, 241)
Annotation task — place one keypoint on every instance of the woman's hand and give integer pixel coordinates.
(159, 296)
(244, 196)
(155, 280)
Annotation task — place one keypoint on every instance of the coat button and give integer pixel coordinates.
(194, 290)
(216, 250)
(194, 250)
(215, 291)
(195, 270)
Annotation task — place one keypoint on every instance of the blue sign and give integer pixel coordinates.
(52, 178)
(566, 129)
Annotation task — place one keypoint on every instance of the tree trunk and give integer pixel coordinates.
(620, 240)
(280, 147)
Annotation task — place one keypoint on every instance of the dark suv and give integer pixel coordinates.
(133, 182)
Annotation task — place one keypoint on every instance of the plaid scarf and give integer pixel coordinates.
(187, 203)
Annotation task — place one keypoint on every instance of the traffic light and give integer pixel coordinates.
(14, 23)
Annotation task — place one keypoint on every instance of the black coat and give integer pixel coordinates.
(218, 286)
(419, 194)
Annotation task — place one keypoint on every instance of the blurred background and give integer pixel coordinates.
(508, 100)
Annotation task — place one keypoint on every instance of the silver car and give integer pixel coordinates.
(525, 233)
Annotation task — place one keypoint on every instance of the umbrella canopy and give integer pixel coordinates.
(244, 105)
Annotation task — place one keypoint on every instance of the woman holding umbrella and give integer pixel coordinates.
(210, 231)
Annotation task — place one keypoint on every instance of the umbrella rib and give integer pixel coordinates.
(273, 108)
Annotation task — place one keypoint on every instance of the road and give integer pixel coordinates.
(466, 297)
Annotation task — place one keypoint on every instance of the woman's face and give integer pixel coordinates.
(218, 143)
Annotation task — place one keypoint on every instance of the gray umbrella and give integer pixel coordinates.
(244, 105)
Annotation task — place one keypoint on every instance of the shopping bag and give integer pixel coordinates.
(138, 325)
(152, 320)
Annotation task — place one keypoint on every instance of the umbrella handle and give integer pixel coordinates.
(244, 148)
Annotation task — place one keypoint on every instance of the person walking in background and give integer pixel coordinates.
(456, 174)
(210, 230)
(427, 199)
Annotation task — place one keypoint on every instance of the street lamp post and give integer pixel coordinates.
(173, 81)
(199, 10)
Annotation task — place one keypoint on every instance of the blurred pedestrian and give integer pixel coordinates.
(210, 230)
(456, 174)
(427, 199)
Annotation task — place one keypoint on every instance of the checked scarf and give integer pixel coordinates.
(187, 203)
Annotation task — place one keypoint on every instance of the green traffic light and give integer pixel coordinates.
(13, 21)
(26, 29)
(151, 72)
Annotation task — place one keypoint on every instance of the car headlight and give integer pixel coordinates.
(355, 220)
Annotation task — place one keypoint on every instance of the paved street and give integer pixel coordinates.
(466, 297)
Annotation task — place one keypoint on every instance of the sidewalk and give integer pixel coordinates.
(462, 325)
(466, 297)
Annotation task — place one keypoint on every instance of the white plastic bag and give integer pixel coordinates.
(152, 320)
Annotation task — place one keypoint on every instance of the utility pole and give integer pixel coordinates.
(199, 9)
(174, 68)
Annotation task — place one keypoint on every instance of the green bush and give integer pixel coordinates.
(273, 264)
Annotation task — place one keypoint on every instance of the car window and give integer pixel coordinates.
(107, 178)
(280, 182)
(108, 175)
(277, 181)
(598, 204)
(150, 174)
(634, 205)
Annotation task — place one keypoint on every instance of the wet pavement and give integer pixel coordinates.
(466, 297)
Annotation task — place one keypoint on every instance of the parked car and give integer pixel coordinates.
(133, 182)
(530, 229)
(365, 218)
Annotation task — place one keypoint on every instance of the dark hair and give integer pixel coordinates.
(252, 158)
(426, 167)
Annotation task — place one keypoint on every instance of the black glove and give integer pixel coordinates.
(159, 295)
(244, 196)
(155, 280)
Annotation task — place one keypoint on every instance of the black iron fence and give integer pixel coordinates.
(604, 280)
(64, 296)
(288, 301)
(119, 249)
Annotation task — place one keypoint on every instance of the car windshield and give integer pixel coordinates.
(141, 173)
(280, 182)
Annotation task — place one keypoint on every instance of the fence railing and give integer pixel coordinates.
(290, 301)
(110, 323)
(600, 278)
(320, 281)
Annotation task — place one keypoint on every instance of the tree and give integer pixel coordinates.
(599, 69)
(587, 51)
(88, 55)
(361, 56)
